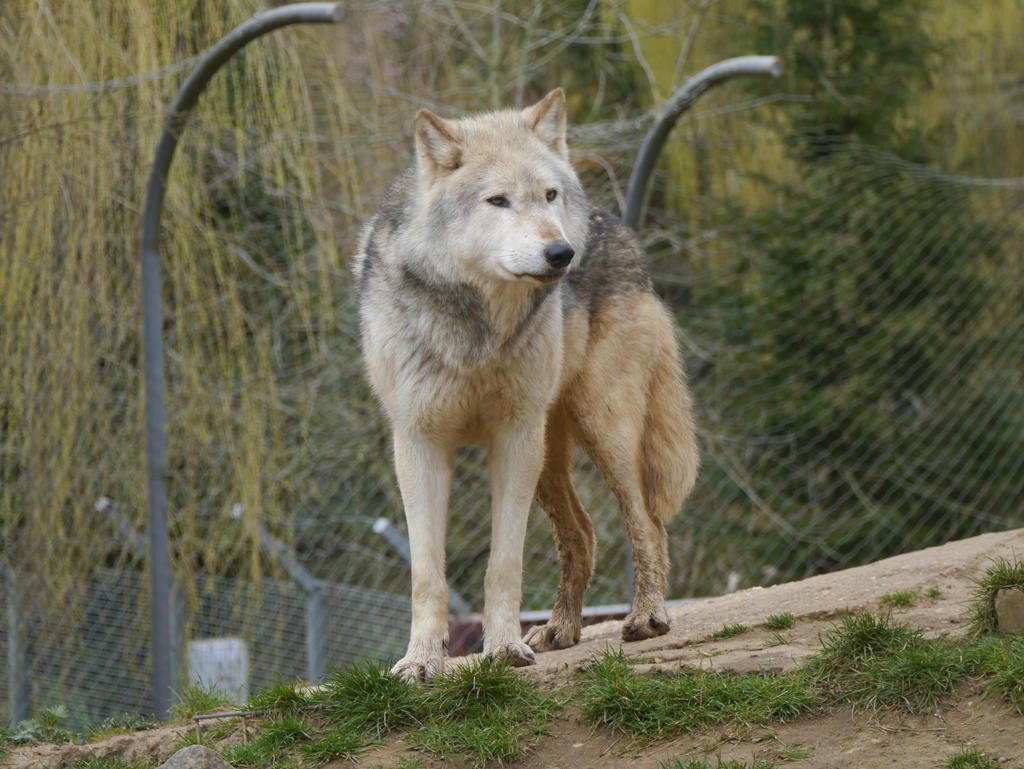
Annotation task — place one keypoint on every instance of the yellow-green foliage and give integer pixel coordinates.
(88, 85)
(288, 150)
(971, 101)
(968, 104)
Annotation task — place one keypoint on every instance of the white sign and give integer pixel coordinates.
(222, 664)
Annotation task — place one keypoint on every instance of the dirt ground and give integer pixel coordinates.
(842, 739)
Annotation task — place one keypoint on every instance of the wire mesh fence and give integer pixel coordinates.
(851, 315)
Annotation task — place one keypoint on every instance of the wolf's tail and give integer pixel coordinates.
(669, 444)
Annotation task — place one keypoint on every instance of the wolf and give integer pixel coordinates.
(498, 306)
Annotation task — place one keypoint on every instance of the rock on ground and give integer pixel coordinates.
(1010, 610)
(195, 757)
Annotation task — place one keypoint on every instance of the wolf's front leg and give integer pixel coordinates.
(515, 456)
(424, 470)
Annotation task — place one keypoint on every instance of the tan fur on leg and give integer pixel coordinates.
(574, 539)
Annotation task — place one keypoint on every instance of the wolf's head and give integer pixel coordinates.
(499, 192)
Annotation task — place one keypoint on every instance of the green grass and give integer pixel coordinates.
(651, 707)
(901, 599)
(332, 745)
(780, 621)
(871, 661)
(1002, 574)
(728, 631)
(794, 752)
(46, 726)
(281, 697)
(119, 724)
(6, 740)
(480, 713)
(277, 738)
(1001, 661)
(777, 639)
(196, 699)
(211, 732)
(866, 660)
(371, 700)
(971, 758)
(485, 712)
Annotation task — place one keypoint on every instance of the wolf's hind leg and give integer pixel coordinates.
(610, 409)
(574, 540)
(614, 452)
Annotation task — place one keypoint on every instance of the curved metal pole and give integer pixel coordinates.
(152, 322)
(681, 101)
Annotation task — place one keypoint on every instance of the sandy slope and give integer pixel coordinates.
(839, 740)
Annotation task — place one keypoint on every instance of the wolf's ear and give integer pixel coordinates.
(437, 148)
(546, 119)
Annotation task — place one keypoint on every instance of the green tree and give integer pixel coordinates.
(859, 321)
(859, 62)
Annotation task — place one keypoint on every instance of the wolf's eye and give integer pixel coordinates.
(498, 200)
(551, 195)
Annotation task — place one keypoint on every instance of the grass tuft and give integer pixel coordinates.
(280, 698)
(862, 637)
(484, 711)
(794, 752)
(478, 687)
(120, 724)
(901, 599)
(780, 621)
(728, 631)
(370, 699)
(1001, 575)
(1001, 661)
(871, 660)
(46, 726)
(198, 698)
(970, 758)
(276, 738)
(332, 745)
(651, 707)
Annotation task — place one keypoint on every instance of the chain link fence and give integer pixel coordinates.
(852, 318)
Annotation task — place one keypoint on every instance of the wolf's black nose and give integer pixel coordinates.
(559, 253)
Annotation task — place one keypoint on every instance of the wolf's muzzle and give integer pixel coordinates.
(558, 254)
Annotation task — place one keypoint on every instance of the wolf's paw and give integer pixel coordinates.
(415, 670)
(517, 653)
(644, 624)
(543, 638)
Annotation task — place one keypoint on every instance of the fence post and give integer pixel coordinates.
(152, 321)
(17, 657)
(316, 636)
